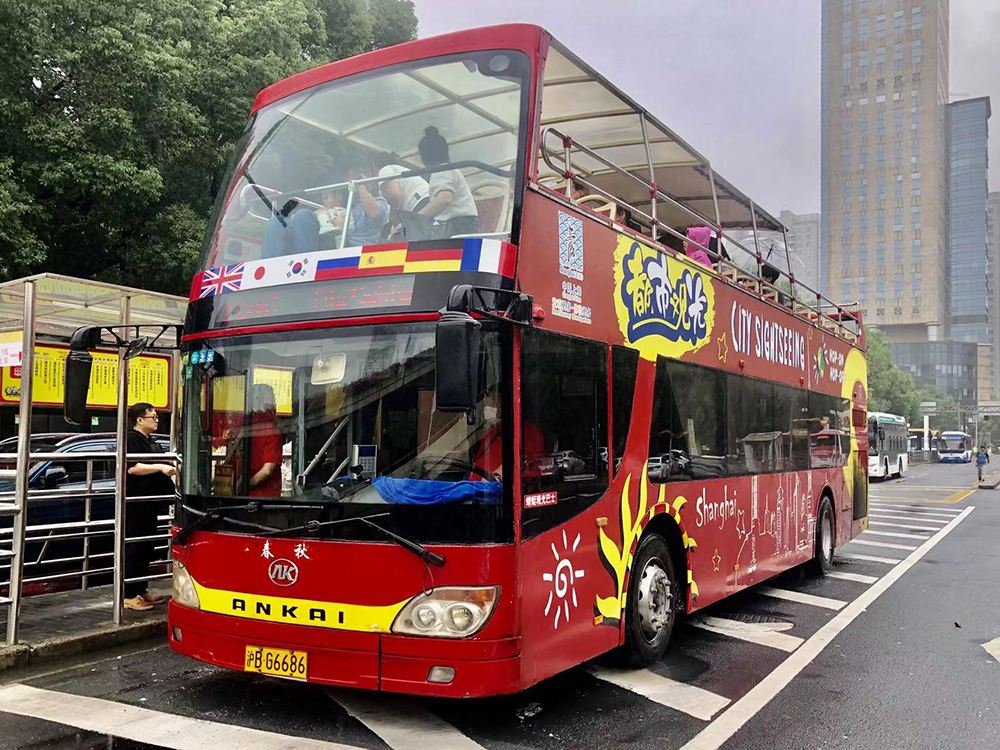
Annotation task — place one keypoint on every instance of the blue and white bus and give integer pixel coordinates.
(888, 445)
(955, 447)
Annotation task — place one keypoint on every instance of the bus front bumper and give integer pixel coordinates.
(349, 659)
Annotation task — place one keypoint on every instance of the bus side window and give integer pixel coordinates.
(564, 428)
(624, 365)
(688, 428)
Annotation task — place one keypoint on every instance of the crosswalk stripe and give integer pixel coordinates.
(890, 545)
(402, 723)
(856, 577)
(145, 725)
(947, 512)
(902, 517)
(903, 526)
(746, 632)
(897, 534)
(800, 597)
(867, 558)
(692, 700)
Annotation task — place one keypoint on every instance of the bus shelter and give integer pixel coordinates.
(38, 315)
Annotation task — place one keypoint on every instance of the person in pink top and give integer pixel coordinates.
(702, 236)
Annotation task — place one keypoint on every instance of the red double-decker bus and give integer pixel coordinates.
(459, 410)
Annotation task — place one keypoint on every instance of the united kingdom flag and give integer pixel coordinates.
(219, 280)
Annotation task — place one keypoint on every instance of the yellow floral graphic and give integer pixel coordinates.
(617, 560)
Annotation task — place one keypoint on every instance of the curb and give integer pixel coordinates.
(991, 482)
(13, 657)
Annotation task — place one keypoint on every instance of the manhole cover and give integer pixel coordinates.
(751, 618)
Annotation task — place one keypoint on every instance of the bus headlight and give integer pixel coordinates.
(448, 611)
(184, 591)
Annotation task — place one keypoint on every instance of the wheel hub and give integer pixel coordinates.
(827, 541)
(654, 600)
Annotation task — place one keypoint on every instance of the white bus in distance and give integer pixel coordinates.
(955, 447)
(888, 445)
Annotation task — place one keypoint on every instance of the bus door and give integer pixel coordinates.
(860, 494)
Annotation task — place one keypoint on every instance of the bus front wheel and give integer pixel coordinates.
(822, 563)
(650, 608)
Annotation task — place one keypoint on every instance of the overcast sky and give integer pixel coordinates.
(738, 79)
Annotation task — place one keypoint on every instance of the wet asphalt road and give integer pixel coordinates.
(907, 671)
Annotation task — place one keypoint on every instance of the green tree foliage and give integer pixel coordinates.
(889, 388)
(118, 119)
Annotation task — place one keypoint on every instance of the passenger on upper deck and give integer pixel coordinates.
(368, 213)
(405, 195)
(702, 236)
(451, 201)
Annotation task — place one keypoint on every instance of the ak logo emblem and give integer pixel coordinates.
(283, 572)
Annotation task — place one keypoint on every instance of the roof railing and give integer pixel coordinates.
(820, 310)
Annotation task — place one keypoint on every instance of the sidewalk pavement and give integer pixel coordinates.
(73, 622)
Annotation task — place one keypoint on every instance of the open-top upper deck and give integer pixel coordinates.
(517, 110)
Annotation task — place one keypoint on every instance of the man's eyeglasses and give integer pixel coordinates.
(154, 417)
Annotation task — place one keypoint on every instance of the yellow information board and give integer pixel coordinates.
(149, 379)
(228, 392)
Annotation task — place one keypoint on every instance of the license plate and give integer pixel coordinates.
(277, 662)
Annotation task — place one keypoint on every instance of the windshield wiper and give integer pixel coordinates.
(217, 513)
(405, 542)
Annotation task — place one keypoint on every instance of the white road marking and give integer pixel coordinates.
(801, 598)
(897, 534)
(890, 545)
(903, 526)
(867, 558)
(690, 699)
(401, 722)
(746, 631)
(856, 577)
(145, 725)
(918, 509)
(993, 648)
(901, 517)
(738, 714)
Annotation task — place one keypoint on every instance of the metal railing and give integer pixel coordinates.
(814, 307)
(88, 563)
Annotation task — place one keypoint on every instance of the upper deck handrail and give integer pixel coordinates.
(817, 309)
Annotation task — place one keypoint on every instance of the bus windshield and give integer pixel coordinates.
(952, 444)
(344, 424)
(438, 141)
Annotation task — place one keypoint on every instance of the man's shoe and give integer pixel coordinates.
(153, 598)
(138, 603)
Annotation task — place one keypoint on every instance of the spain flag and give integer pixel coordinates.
(385, 260)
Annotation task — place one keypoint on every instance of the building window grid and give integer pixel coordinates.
(847, 32)
(897, 121)
(880, 287)
(880, 156)
(915, 284)
(897, 54)
(863, 225)
(897, 191)
(880, 26)
(863, 30)
(897, 219)
(880, 221)
(863, 255)
(862, 289)
(897, 22)
(897, 285)
(863, 157)
(845, 160)
(916, 52)
(880, 188)
(917, 17)
(880, 120)
(863, 124)
(880, 253)
(897, 252)
(915, 217)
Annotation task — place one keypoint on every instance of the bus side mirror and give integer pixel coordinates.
(881, 433)
(78, 366)
(457, 361)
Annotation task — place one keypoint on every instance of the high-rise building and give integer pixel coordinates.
(970, 286)
(993, 240)
(884, 215)
(803, 242)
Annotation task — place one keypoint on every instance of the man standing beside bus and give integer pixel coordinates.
(144, 480)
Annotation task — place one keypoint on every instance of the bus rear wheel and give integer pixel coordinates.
(649, 609)
(822, 563)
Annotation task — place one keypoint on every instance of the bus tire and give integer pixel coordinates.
(900, 474)
(822, 562)
(649, 609)
(886, 476)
